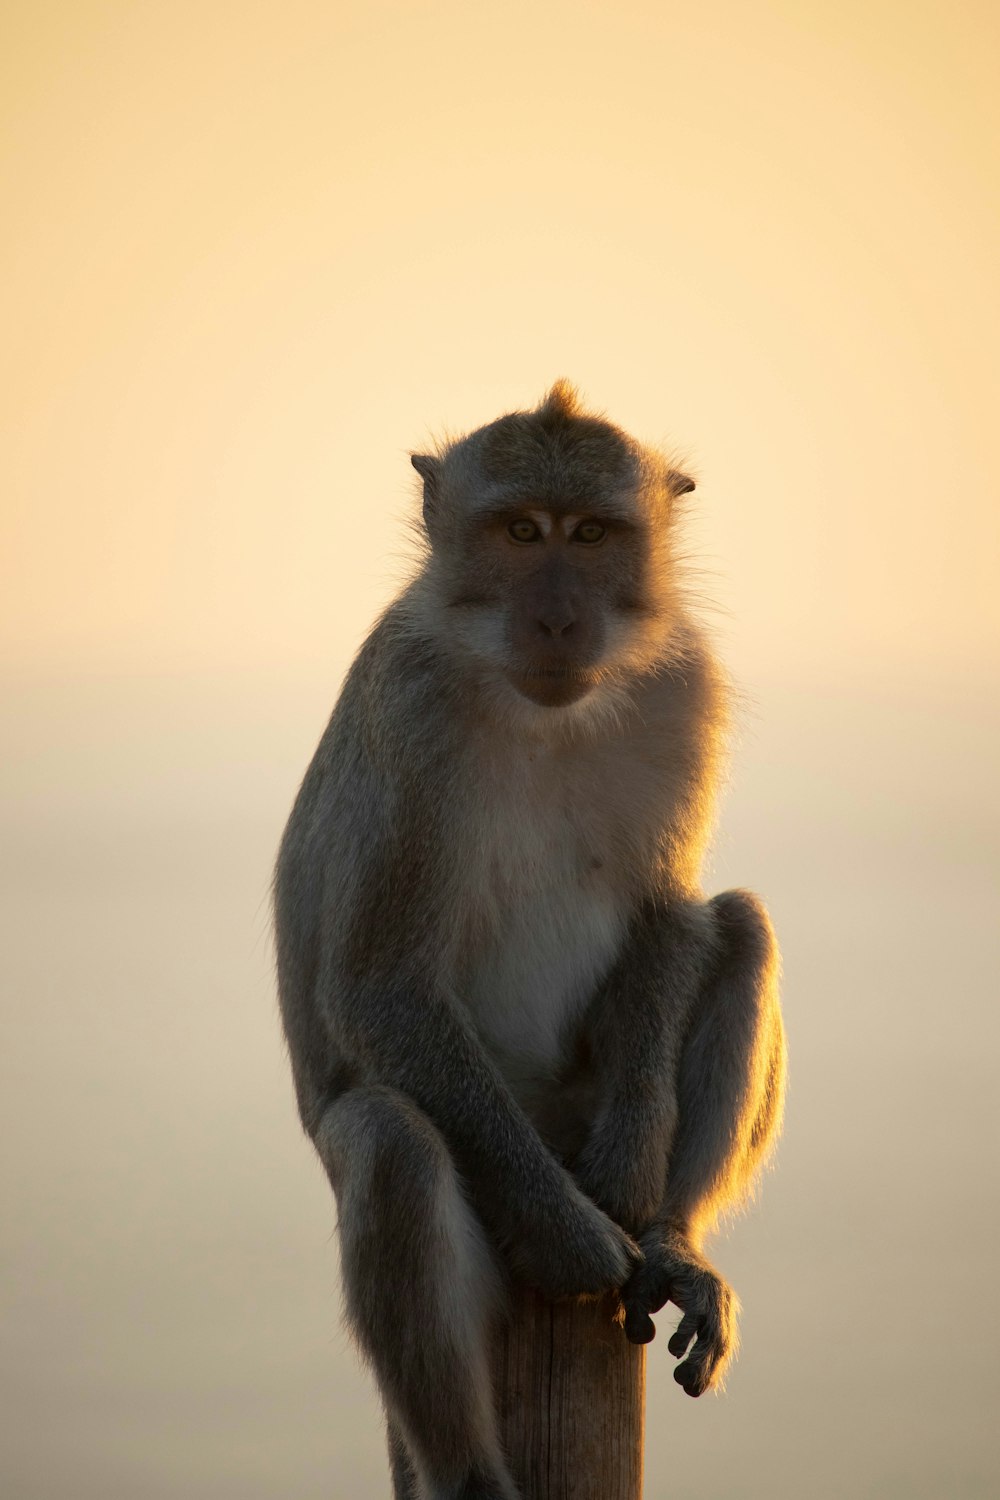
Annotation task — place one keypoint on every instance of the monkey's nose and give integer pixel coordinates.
(557, 622)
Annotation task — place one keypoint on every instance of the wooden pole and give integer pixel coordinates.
(570, 1393)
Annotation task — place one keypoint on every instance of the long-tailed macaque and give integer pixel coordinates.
(524, 1043)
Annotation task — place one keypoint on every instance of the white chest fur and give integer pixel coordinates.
(542, 911)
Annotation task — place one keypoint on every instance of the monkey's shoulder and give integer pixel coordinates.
(383, 771)
(403, 694)
(395, 712)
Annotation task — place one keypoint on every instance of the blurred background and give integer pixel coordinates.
(253, 254)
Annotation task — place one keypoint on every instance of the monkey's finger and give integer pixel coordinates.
(649, 1287)
(688, 1381)
(639, 1326)
(680, 1339)
(643, 1291)
(699, 1371)
(659, 1296)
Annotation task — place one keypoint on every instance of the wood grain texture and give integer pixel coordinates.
(570, 1392)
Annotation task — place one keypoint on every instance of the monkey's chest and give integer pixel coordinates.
(540, 925)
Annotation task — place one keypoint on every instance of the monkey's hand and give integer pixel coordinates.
(707, 1333)
(577, 1251)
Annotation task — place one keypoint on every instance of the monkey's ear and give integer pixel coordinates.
(429, 469)
(678, 483)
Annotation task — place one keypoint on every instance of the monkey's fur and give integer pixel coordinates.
(524, 1043)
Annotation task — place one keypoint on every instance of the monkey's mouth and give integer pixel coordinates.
(552, 687)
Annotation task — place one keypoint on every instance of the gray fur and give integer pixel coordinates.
(523, 1042)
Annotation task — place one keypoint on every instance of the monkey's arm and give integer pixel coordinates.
(409, 1036)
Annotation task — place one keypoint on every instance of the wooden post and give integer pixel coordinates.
(570, 1392)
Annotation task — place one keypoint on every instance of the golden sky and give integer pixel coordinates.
(256, 252)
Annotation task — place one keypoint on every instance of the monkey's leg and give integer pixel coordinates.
(730, 1087)
(421, 1282)
(635, 1034)
(404, 1475)
(730, 1090)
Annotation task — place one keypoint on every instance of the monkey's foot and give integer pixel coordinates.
(707, 1333)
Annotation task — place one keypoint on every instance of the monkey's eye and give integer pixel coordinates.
(523, 531)
(590, 533)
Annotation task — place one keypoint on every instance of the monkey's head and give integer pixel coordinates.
(550, 561)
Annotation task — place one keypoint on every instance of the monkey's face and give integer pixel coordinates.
(551, 567)
(553, 596)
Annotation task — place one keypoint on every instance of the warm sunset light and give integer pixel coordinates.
(254, 256)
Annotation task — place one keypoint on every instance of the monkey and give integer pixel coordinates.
(525, 1044)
